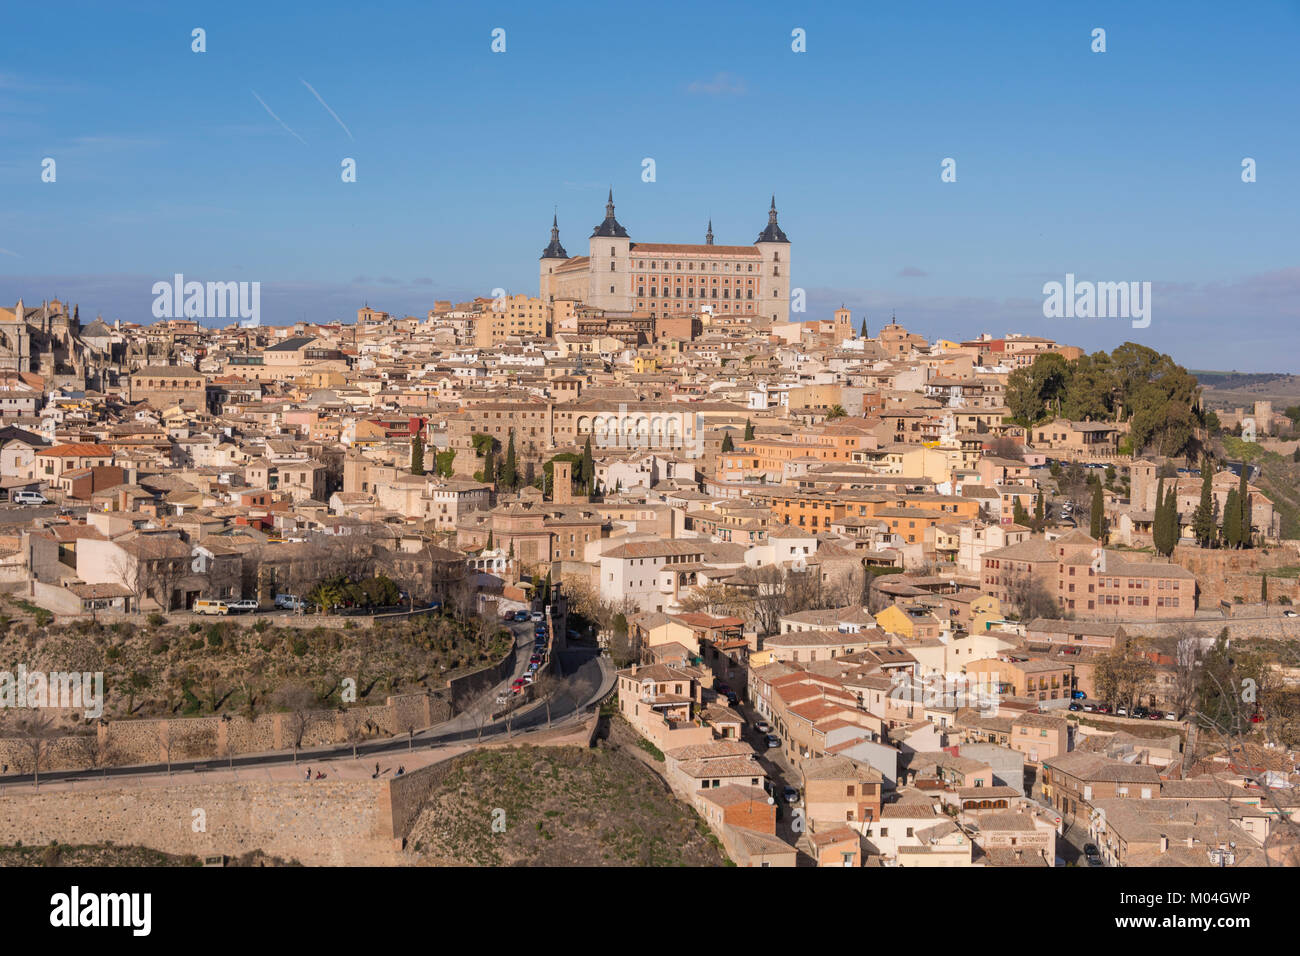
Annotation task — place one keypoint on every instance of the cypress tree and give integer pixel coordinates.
(417, 455)
(1160, 523)
(1173, 532)
(727, 444)
(510, 471)
(1098, 511)
(1203, 523)
(1263, 589)
(1038, 510)
(749, 431)
(1246, 538)
(490, 467)
(587, 474)
(1231, 521)
(1018, 513)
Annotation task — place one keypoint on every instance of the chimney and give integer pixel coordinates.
(633, 668)
(1164, 843)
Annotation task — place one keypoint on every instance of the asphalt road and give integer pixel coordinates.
(581, 674)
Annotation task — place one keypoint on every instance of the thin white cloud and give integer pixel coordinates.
(722, 84)
(322, 102)
(276, 118)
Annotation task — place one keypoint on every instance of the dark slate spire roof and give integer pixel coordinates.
(708, 236)
(555, 250)
(610, 229)
(773, 232)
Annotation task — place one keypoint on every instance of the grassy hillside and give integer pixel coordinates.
(1279, 479)
(564, 806)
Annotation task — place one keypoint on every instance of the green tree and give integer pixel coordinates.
(417, 455)
(510, 470)
(749, 426)
(490, 468)
(1246, 521)
(1160, 521)
(727, 444)
(1039, 511)
(588, 473)
(1203, 523)
(1018, 513)
(1263, 588)
(1098, 517)
(488, 546)
(836, 411)
(1231, 535)
(444, 462)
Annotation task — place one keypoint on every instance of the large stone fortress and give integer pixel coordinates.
(664, 279)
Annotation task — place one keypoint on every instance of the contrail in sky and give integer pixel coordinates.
(276, 118)
(327, 107)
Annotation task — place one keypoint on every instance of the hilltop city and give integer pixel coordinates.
(857, 596)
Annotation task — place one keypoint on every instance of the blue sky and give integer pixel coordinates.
(1115, 166)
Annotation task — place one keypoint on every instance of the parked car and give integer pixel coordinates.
(1079, 695)
(1121, 712)
(762, 726)
(1076, 707)
(535, 659)
(1089, 708)
(517, 682)
(243, 606)
(732, 699)
(530, 678)
(521, 615)
(1288, 613)
(790, 795)
(507, 615)
(211, 607)
(1140, 713)
(289, 602)
(723, 689)
(1156, 715)
(29, 498)
(1103, 708)
(1171, 716)
(773, 741)
(1092, 854)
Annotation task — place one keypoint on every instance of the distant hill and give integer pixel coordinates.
(1238, 379)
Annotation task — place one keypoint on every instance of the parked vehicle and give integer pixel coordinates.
(762, 726)
(536, 615)
(1171, 716)
(1089, 708)
(521, 616)
(243, 606)
(29, 498)
(211, 607)
(1140, 713)
(289, 602)
(790, 795)
(1092, 854)
(1156, 715)
(732, 699)
(1121, 712)
(773, 741)
(1103, 708)
(1288, 613)
(1079, 695)
(1076, 707)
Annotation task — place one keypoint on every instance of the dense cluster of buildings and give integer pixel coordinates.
(815, 520)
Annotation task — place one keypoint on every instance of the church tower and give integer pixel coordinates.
(611, 263)
(552, 257)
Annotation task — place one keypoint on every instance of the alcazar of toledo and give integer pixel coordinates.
(662, 279)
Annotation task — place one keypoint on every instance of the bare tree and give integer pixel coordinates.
(299, 700)
(35, 731)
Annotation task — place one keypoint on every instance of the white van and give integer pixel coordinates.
(29, 498)
(288, 602)
(211, 607)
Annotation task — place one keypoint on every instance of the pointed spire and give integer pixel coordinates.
(708, 236)
(610, 228)
(773, 232)
(555, 250)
